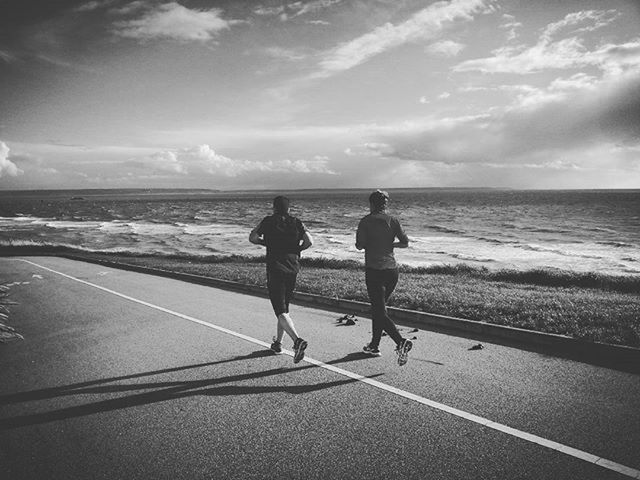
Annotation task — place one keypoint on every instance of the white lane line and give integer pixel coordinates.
(573, 452)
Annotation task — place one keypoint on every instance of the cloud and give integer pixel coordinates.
(445, 48)
(425, 24)
(130, 8)
(173, 21)
(295, 9)
(540, 126)
(7, 56)
(592, 20)
(203, 160)
(371, 149)
(285, 54)
(511, 25)
(269, 11)
(7, 167)
(570, 52)
(302, 8)
(94, 5)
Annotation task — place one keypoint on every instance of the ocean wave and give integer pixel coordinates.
(440, 228)
(314, 222)
(470, 258)
(24, 219)
(616, 244)
(601, 230)
(495, 241)
(67, 246)
(338, 241)
(546, 230)
(564, 253)
(153, 229)
(115, 226)
(73, 224)
(197, 229)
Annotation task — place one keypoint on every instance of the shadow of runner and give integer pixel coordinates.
(79, 388)
(163, 391)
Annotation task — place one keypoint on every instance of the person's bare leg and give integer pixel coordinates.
(279, 333)
(285, 324)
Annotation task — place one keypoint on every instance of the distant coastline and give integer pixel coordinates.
(109, 191)
(205, 191)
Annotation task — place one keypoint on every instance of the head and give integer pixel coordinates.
(281, 205)
(378, 201)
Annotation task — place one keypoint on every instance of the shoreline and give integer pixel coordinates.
(587, 307)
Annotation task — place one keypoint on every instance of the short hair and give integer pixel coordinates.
(281, 204)
(379, 199)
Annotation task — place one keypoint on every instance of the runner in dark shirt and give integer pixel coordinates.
(376, 235)
(285, 237)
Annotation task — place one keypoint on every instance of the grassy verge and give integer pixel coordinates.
(586, 306)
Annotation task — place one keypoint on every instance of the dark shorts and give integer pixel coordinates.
(280, 286)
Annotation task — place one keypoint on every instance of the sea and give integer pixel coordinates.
(569, 230)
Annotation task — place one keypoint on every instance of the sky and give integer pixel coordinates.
(237, 94)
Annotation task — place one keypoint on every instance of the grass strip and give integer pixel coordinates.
(586, 306)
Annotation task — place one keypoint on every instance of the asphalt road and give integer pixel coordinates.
(104, 386)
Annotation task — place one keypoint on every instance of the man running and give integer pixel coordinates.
(376, 234)
(285, 237)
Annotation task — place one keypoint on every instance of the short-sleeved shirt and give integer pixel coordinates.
(376, 234)
(282, 235)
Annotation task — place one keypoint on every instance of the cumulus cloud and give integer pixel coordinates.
(425, 24)
(551, 52)
(445, 48)
(7, 167)
(203, 160)
(371, 149)
(174, 21)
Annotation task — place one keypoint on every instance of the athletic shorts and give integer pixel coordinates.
(280, 286)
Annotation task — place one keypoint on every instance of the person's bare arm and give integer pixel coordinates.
(361, 237)
(403, 240)
(307, 241)
(256, 238)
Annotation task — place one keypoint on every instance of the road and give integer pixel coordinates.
(123, 375)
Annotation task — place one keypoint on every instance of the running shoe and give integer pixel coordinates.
(276, 346)
(299, 346)
(403, 351)
(373, 351)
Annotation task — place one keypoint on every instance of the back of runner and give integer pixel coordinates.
(285, 237)
(376, 234)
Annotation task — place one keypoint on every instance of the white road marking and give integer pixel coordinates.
(573, 452)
